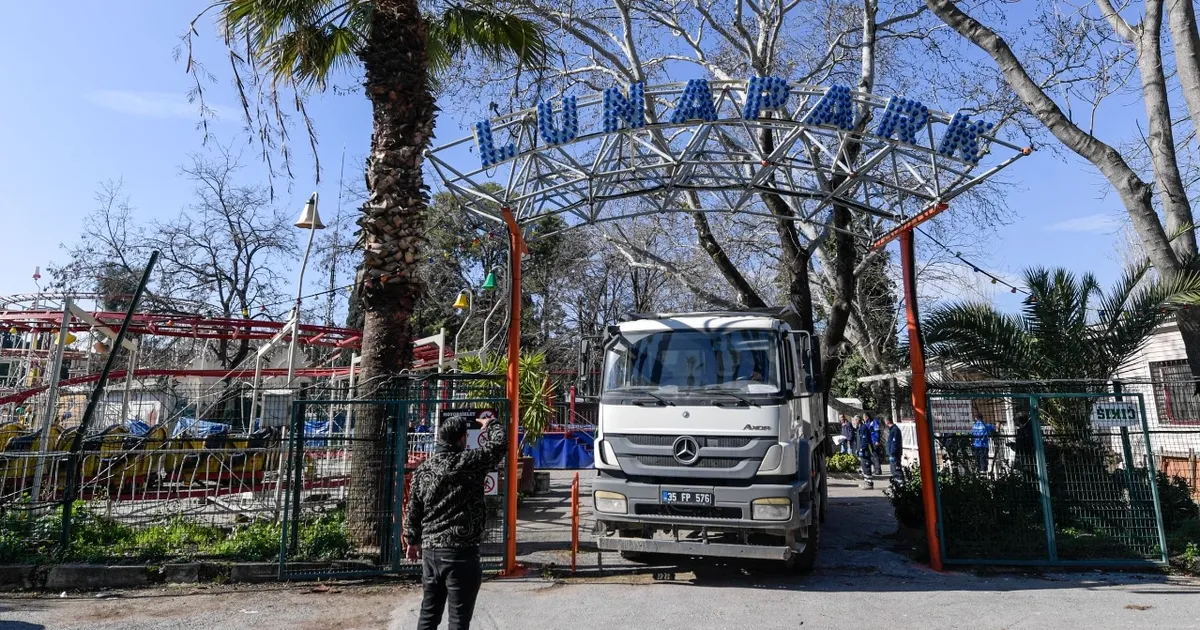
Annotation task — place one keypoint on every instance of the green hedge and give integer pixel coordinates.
(1001, 516)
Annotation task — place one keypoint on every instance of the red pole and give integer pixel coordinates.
(916, 355)
(516, 247)
(571, 418)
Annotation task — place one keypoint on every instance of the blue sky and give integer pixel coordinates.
(104, 98)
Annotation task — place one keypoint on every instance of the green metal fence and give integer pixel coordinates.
(364, 461)
(1050, 478)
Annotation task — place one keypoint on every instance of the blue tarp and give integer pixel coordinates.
(199, 428)
(138, 428)
(567, 451)
(323, 429)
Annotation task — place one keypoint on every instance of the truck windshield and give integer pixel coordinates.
(687, 360)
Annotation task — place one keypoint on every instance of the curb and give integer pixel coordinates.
(96, 577)
(87, 577)
(16, 576)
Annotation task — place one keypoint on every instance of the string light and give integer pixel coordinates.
(995, 279)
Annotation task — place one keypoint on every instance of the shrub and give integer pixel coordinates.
(907, 499)
(1175, 496)
(325, 538)
(842, 463)
(258, 540)
(177, 538)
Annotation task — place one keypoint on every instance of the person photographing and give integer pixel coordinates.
(446, 520)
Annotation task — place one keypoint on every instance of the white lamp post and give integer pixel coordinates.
(311, 221)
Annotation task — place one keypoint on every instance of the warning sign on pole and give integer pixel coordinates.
(491, 485)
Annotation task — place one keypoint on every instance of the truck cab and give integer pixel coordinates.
(711, 438)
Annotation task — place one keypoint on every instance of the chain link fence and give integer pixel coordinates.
(324, 479)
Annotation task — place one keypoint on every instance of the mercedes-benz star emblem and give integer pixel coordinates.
(686, 450)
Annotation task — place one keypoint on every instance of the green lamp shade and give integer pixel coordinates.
(489, 283)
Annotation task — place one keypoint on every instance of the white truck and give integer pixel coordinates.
(712, 438)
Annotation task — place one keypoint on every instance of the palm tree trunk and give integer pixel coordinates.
(397, 83)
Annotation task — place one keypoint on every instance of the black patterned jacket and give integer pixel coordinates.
(445, 499)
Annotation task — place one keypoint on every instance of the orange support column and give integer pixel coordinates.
(919, 398)
(516, 247)
(575, 520)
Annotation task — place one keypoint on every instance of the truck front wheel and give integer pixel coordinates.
(804, 561)
(823, 472)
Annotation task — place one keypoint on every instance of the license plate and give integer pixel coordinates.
(687, 498)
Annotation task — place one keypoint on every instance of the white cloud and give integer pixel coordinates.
(150, 104)
(1089, 223)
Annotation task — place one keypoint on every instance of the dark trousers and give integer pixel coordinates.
(981, 459)
(452, 574)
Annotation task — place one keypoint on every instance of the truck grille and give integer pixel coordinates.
(668, 461)
(668, 440)
(691, 511)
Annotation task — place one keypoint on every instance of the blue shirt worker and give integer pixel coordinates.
(895, 448)
(877, 442)
(981, 433)
(868, 438)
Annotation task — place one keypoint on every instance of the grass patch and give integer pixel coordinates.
(28, 539)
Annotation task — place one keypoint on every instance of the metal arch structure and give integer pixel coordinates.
(706, 147)
(720, 163)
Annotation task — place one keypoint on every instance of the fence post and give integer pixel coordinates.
(296, 472)
(1153, 477)
(1126, 447)
(1039, 449)
(1192, 468)
(574, 520)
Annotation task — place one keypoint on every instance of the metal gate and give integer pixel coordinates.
(348, 468)
(1047, 479)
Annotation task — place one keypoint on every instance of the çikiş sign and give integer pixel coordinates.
(1115, 414)
(902, 118)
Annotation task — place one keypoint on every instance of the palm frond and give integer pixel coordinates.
(981, 337)
(494, 35)
(300, 42)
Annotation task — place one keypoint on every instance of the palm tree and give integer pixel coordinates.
(1068, 328)
(402, 46)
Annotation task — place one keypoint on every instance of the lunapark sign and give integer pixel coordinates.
(902, 118)
(712, 146)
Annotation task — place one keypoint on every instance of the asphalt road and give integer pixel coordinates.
(860, 584)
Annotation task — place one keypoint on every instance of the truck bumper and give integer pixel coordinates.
(731, 509)
(693, 548)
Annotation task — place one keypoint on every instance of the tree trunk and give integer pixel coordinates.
(1181, 14)
(1161, 138)
(844, 260)
(397, 83)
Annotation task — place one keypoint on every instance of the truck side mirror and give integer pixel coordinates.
(802, 341)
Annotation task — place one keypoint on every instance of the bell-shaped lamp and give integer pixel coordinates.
(309, 219)
(489, 283)
(463, 302)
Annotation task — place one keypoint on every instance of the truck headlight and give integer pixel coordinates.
(609, 502)
(771, 509)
